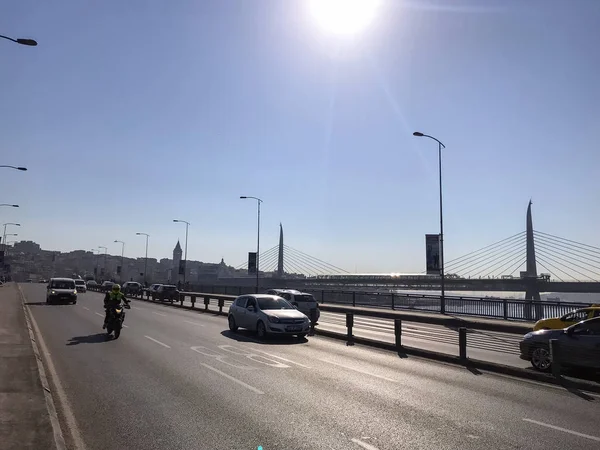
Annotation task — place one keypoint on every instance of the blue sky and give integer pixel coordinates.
(131, 114)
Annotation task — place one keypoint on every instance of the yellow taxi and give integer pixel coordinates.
(557, 323)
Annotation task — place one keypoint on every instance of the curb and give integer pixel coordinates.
(469, 363)
(59, 440)
(436, 356)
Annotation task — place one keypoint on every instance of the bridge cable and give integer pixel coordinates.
(262, 255)
(317, 259)
(312, 262)
(566, 261)
(549, 257)
(494, 265)
(305, 260)
(484, 248)
(478, 263)
(505, 246)
(549, 271)
(523, 261)
(551, 249)
(298, 265)
(500, 266)
(557, 268)
(568, 240)
(559, 246)
(308, 268)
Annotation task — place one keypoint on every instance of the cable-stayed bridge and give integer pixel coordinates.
(510, 264)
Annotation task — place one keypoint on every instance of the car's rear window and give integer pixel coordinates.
(80, 282)
(63, 284)
(169, 288)
(304, 298)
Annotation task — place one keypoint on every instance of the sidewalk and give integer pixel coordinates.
(24, 419)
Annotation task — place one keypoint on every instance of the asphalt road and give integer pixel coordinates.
(502, 348)
(179, 379)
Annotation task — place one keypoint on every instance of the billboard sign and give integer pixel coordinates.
(432, 253)
(251, 262)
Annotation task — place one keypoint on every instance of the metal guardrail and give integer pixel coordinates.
(498, 308)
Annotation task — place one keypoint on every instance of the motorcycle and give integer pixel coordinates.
(116, 316)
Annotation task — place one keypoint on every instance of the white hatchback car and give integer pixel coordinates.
(267, 314)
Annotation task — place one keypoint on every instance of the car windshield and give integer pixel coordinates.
(267, 303)
(63, 284)
(304, 298)
(169, 288)
(80, 282)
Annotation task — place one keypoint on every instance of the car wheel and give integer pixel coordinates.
(261, 330)
(232, 325)
(540, 358)
(74, 302)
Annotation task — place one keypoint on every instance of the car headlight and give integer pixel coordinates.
(75, 292)
(274, 319)
(53, 292)
(528, 335)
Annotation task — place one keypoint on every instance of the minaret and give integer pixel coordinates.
(177, 253)
(280, 271)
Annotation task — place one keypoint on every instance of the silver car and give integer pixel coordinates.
(267, 314)
(61, 289)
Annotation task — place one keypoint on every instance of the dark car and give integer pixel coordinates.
(579, 346)
(131, 288)
(166, 292)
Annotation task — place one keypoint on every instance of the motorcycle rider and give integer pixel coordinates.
(112, 299)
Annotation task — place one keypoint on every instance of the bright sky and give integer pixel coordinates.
(130, 114)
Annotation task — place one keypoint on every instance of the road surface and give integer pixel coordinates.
(179, 379)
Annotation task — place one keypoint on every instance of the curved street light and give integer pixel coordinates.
(28, 42)
(187, 224)
(4, 233)
(14, 167)
(105, 252)
(442, 287)
(258, 201)
(122, 253)
(8, 204)
(146, 259)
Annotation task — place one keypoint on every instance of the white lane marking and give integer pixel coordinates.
(235, 380)
(98, 314)
(158, 342)
(194, 323)
(364, 444)
(364, 372)
(564, 430)
(159, 314)
(125, 326)
(135, 307)
(86, 308)
(279, 357)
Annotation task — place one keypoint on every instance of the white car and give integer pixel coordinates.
(81, 286)
(61, 289)
(267, 314)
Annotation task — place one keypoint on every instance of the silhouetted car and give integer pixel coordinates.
(81, 286)
(166, 292)
(579, 346)
(107, 286)
(302, 301)
(131, 288)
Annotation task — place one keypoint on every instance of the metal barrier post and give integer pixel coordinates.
(505, 305)
(398, 333)
(349, 325)
(206, 302)
(555, 357)
(313, 321)
(393, 302)
(181, 299)
(462, 343)
(193, 299)
(354, 299)
(221, 304)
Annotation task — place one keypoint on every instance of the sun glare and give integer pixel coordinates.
(344, 16)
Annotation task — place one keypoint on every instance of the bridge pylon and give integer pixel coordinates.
(280, 270)
(532, 290)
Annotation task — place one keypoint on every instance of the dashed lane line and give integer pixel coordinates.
(364, 444)
(564, 430)
(235, 380)
(158, 342)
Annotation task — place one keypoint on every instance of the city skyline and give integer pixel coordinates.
(318, 126)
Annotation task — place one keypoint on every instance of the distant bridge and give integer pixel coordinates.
(570, 266)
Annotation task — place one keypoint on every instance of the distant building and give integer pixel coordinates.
(26, 247)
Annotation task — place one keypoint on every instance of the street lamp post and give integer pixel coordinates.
(105, 254)
(28, 42)
(258, 201)
(146, 260)
(14, 167)
(187, 224)
(122, 258)
(442, 276)
(4, 233)
(8, 204)
(96, 253)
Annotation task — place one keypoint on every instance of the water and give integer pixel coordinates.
(563, 297)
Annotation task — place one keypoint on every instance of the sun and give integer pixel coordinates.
(344, 16)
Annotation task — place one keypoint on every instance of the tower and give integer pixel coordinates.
(177, 253)
(532, 289)
(280, 271)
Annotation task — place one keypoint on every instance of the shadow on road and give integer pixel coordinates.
(36, 303)
(90, 339)
(248, 336)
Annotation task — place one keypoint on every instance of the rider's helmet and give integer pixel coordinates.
(116, 288)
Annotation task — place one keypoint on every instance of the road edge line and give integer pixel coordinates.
(42, 357)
